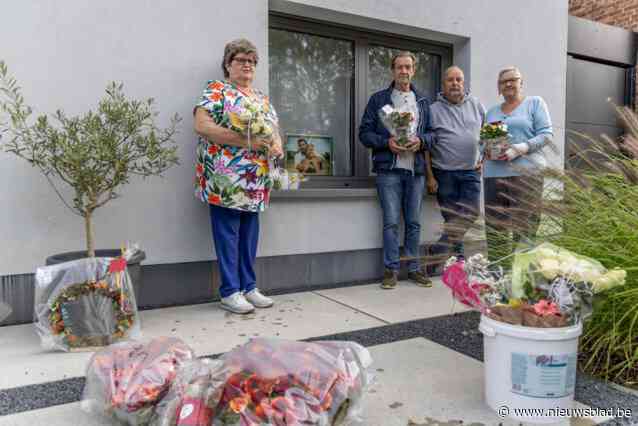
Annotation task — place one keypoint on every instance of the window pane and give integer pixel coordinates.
(311, 87)
(425, 79)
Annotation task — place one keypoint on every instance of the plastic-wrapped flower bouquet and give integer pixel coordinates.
(398, 122)
(548, 286)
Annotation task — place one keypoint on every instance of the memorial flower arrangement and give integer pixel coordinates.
(548, 286)
(494, 139)
(398, 123)
(270, 382)
(127, 380)
(285, 180)
(86, 303)
(124, 314)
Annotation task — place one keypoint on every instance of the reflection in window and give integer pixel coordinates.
(380, 75)
(311, 87)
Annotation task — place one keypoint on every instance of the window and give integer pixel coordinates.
(321, 78)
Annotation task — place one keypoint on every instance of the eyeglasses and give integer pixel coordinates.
(511, 80)
(244, 61)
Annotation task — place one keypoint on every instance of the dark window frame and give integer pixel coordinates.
(361, 38)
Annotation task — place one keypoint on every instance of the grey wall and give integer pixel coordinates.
(63, 54)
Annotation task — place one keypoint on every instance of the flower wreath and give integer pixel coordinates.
(124, 314)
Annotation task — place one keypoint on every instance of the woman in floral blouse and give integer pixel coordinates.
(238, 133)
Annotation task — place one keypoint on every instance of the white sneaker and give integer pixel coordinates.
(237, 304)
(258, 299)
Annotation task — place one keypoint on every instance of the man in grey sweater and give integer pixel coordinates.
(455, 174)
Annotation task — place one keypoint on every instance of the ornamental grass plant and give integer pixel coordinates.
(591, 208)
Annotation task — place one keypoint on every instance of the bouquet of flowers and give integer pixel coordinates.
(494, 140)
(548, 287)
(250, 118)
(127, 380)
(271, 382)
(398, 123)
(85, 303)
(193, 396)
(284, 180)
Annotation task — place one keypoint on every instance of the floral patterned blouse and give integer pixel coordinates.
(231, 176)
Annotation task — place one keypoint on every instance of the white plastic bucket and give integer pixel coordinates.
(529, 368)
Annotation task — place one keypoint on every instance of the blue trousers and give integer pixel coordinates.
(235, 234)
(459, 199)
(401, 191)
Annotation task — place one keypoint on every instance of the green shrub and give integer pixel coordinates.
(94, 154)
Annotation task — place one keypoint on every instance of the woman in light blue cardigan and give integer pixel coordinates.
(513, 185)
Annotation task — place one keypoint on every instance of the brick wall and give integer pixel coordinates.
(619, 13)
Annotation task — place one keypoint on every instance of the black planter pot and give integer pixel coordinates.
(133, 265)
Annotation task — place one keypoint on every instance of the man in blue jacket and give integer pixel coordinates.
(400, 169)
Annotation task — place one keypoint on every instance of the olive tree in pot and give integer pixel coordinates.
(94, 154)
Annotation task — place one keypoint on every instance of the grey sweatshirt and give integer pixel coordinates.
(456, 129)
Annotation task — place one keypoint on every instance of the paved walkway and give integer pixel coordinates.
(427, 361)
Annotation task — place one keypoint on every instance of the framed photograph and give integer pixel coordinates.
(309, 154)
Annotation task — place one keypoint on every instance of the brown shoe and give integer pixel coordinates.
(389, 279)
(420, 279)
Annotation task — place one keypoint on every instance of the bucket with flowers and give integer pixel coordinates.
(531, 321)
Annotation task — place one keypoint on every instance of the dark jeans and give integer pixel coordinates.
(401, 191)
(459, 197)
(512, 212)
(235, 234)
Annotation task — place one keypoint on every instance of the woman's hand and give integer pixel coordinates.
(276, 150)
(433, 185)
(259, 144)
(515, 151)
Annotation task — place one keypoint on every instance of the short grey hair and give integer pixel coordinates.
(450, 69)
(508, 69)
(240, 45)
(403, 54)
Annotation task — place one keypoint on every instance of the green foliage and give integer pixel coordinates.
(600, 220)
(94, 153)
(591, 208)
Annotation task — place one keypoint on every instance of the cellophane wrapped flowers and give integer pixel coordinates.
(548, 286)
(271, 382)
(251, 118)
(127, 380)
(85, 303)
(398, 122)
(285, 180)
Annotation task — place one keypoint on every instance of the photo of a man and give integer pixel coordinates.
(310, 155)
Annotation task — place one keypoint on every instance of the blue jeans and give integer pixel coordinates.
(401, 191)
(235, 234)
(459, 198)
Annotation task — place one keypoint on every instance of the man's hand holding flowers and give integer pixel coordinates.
(413, 145)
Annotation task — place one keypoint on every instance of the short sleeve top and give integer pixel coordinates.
(231, 176)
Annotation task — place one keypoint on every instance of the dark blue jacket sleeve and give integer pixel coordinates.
(426, 133)
(368, 129)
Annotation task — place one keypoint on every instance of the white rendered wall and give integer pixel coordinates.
(63, 54)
